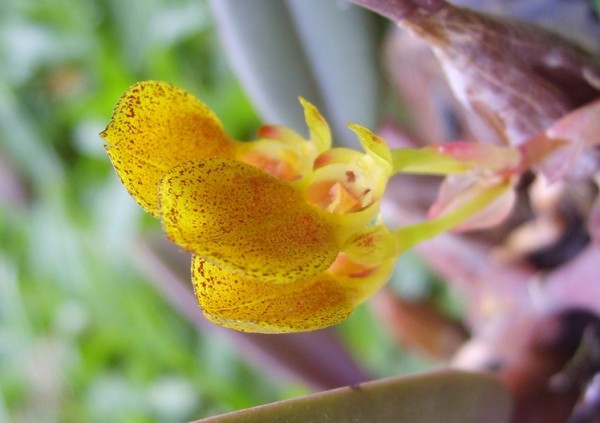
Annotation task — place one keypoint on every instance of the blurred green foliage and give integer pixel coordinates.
(83, 337)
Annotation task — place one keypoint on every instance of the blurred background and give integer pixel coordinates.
(86, 330)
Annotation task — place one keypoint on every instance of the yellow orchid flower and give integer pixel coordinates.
(268, 221)
(285, 231)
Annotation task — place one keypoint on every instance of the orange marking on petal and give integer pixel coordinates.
(277, 167)
(343, 266)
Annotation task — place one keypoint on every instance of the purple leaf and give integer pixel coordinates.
(516, 77)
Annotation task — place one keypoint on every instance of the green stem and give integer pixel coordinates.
(407, 237)
(425, 160)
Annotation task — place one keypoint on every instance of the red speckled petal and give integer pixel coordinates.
(243, 219)
(155, 127)
(251, 305)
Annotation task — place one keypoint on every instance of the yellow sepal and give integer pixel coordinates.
(156, 126)
(246, 221)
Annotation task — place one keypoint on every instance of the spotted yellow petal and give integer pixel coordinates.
(154, 127)
(252, 305)
(243, 219)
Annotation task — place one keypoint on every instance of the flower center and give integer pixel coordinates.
(345, 181)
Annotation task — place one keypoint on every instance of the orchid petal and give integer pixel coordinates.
(280, 132)
(372, 245)
(252, 305)
(339, 155)
(348, 184)
(320, 133)
(154, 127)
(245, 220)
(373, 144)
(275, 157)
(285, 158)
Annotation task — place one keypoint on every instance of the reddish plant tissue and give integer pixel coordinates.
(531, 284)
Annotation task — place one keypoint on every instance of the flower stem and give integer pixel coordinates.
(407, 237)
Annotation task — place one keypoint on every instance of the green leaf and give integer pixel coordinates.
(319, 50)
(446, 396)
